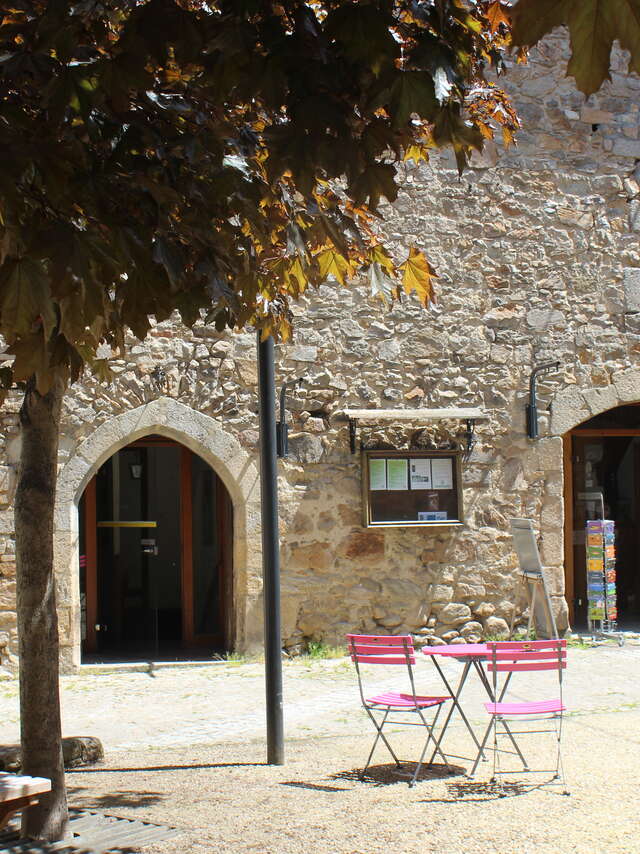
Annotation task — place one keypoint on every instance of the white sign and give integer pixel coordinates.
(377, 474)
(397, 471)
(432, 516)
(442, 473)
(420, 473)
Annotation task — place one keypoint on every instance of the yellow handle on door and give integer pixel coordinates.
(127, 524)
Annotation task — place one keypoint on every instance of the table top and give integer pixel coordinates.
(459, 650)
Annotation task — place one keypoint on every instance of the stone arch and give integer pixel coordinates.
(207, 438)
(571, 406)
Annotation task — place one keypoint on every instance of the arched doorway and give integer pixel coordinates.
(602, 469)
(156, 552)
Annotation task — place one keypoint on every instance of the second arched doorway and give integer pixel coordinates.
(602, 476)
(156, 547)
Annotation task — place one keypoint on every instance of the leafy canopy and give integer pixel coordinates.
(218, 156)
(593, 26)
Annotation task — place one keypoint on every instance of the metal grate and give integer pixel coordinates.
(91, 833)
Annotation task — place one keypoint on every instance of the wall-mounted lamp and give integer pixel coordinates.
(532, 406)
(469, 438)
(282, 429)
(136, 470)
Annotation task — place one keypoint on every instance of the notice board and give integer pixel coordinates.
(412, 488)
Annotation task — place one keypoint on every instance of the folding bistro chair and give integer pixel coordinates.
(507, 658)
(394, 650)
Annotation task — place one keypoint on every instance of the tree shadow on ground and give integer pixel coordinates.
(85, 799)
(314, 787)
(389, 774)
(144, 768)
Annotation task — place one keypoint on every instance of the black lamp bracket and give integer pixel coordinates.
(282, 428)
(469, 438)
(532, 406)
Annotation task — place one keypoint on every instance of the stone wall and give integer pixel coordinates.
(537, 254)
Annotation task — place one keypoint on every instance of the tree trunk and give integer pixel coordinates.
(41, 732)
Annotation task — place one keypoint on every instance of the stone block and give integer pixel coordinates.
(303, 353)
(454, 614)
(247, 371)
(441, 593)
(569, 409)
(496, 627)
(391, 621)
(627, 148)
(305, 448)
(593, 116)
(316, 556)
(544, 318)
(362, 545)
(576, 218)
(631, 287)
(471, 628)
(627, 385)
(289, 608)
(601, 399)
(389, 351)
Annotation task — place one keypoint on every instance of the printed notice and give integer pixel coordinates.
(377, 474)
(397, 471)
(442, 473)
(432, 516)
(420, 474)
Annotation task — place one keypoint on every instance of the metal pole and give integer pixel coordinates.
(270, 551)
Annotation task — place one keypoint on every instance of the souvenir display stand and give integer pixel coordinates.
(602, 612)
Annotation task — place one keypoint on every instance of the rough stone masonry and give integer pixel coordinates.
(537, 254)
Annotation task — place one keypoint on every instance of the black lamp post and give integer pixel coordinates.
(270, 550)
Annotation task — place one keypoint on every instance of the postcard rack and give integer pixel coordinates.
(602, 612)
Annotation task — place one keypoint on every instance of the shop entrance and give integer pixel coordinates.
(602, 469)
(156, 534)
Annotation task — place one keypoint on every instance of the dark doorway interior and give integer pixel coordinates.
(605, 458)
(156, 548)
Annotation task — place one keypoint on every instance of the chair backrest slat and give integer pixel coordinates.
(505, 655)
(384, 640)
(512, 656)
(513, 666)
(380, 659)
(368, 649)
(381, 649)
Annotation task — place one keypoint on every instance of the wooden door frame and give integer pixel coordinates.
(186, 541)
(567, 455)
(91, 566)
(224, 519)
(569, 580)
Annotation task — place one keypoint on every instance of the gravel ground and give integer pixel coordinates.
(186, 748)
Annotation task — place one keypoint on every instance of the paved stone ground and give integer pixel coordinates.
(174, 706)
(185, 746)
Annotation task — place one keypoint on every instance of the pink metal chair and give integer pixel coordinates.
(394, 650)
(507, 658)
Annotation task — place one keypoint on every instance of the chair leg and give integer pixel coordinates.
(496, 759)
(559, 775)
(379, 735)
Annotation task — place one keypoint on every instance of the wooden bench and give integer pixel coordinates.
(19, 792)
